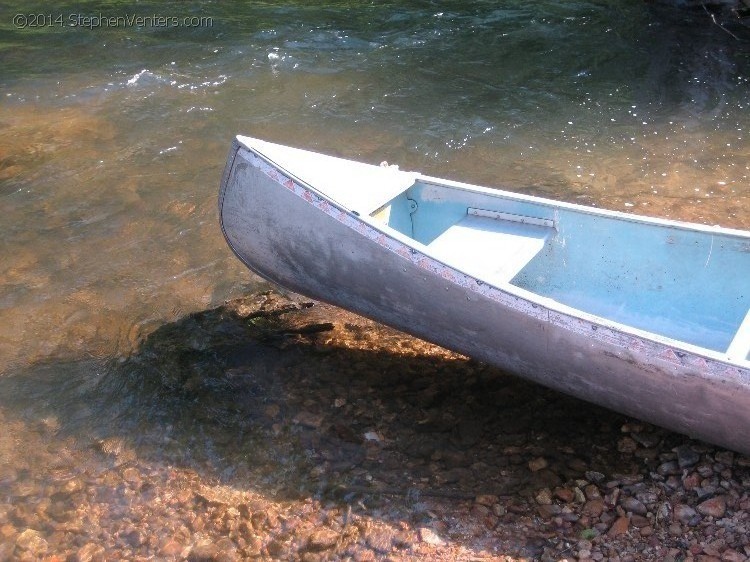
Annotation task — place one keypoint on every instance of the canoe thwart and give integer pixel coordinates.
(523, 219)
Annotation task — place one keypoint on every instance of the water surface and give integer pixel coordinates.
(114, 139)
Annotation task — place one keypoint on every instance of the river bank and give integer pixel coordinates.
(275, 428)
(143, 419)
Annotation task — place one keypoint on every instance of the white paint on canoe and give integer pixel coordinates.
(359, 187)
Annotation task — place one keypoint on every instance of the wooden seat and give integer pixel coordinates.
(740, 346)
(491, 249)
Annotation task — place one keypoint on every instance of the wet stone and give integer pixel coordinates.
(170, 548)
(430, 537)
(25, 488)
(379, 540)
(89, 552)
(131, 475)
(323, 539)
(31, 541)
(204, 552)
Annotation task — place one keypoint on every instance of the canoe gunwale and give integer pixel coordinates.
(676, 352)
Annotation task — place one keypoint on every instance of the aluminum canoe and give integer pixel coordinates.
(645, 316)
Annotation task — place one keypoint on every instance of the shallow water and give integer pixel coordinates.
(114, 139)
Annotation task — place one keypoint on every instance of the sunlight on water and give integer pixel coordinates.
(114, 139)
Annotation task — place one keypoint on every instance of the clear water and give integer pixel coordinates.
(113, 139)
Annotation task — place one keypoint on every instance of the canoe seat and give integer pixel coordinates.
(740, 346)
(491, 249)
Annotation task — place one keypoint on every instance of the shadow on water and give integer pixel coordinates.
(299, 402)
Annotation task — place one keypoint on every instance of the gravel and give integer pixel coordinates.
(274, 429)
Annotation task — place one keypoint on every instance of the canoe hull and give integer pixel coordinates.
(282, 230)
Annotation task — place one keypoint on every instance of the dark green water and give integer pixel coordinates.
(114, 137)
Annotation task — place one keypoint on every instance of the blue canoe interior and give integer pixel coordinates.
(686, 284)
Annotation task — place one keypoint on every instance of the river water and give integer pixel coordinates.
(114, 138)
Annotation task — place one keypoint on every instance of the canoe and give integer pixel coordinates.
(645, 316)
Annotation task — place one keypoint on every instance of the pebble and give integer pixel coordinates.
(131, 475)
(632, 505)
(564, 494)
(379, 540)
(88, 552)
(592, 492)
(691, 481)
(203, 552)
(715, 507)
(309, 420)
(538, 464)
(170, 548)
(32, 541)
(675, 529)
(725, 457)
(684, 513)
(430, 537)
(619, 527)
(627, 445)
(487, 499)
(731, 555)
(686, 456)
(544, 497)
(593, 508)
(323, 539)
(668, 468)
(593, 476)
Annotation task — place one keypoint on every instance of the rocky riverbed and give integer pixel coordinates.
(279, 429)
